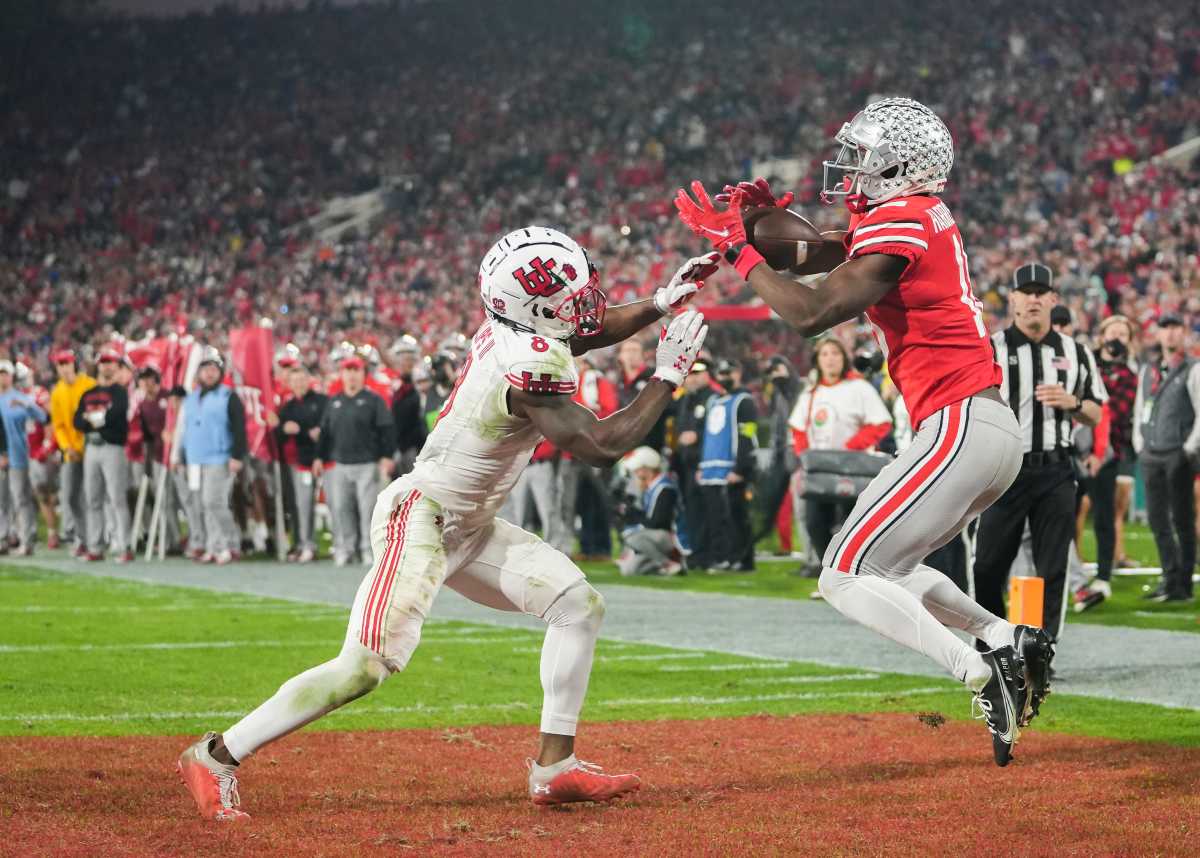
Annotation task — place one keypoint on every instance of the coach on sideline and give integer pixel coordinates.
(298, 430)
(357, 435)
(16, 504)
(103, 417)
(64, 401)
(1049, 380)
(214, 450)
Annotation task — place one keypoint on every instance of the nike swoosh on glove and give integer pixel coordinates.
(723, 229)
(686, 282)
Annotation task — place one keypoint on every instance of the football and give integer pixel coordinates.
(788, 241)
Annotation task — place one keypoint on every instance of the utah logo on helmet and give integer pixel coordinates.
(893, 147)
(538, 280)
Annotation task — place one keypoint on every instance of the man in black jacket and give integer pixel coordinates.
(298, 431)
(103, 417)
(356, 434)
(407, 417)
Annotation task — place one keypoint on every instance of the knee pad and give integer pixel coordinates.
(580, 604)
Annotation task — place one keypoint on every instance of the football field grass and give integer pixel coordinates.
(95, 656)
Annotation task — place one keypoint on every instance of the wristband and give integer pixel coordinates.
(674, 385)
(743, 258)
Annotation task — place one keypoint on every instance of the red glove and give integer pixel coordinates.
(756, 195)
(724, 229)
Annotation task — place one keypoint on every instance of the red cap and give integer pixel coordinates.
(63, 356)
(109, 354)
(287, 361)
(353, 362)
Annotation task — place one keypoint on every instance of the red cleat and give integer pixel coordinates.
(581, 782)
(213, 785)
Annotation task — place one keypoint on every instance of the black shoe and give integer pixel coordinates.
(1176, 599)
(1158, 594)
(1035, 651)
(999, 702)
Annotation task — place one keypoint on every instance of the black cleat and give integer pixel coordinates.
(1035, 651)
(1000, 701)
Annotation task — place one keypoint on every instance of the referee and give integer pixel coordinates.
(1049, 380)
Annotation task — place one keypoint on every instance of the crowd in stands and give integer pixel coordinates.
(158, 175)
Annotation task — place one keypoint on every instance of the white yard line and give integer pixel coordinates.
(742, 665)
(689, 700)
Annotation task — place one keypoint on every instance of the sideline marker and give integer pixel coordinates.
(1025, 596)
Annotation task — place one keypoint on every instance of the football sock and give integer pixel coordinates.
(954, 608)
(574, 625)
(543, 774)
(889, 609)
(307, 697)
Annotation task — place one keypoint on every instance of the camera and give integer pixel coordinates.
(868, 362)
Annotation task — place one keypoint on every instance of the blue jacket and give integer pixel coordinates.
(15, 408)
(719, 447)
(207, 434)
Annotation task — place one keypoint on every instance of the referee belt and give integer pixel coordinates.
(1045, 457)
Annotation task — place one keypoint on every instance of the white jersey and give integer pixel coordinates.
(477, 450)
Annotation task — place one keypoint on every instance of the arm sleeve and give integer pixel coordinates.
(869, 436)
(747, 415)
(662, 517)
(79, 423)
(324, 440)
(39, 415)
(799, 441)
(237, 427)
(385, 429)
(1101, 436)
(116, 419)
(1191, 446)
(1091, 387)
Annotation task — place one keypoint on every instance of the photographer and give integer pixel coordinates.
(1108, 481)
(840, 410)
(1166, 436)
(690, 411)
(653, 524)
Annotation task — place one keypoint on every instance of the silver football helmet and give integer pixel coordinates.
(891, 148)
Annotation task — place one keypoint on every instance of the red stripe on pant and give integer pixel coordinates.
(385, 574)
(876, 520)
(394, 556)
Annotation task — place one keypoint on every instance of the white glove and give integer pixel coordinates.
(678, 346)
(686, 283)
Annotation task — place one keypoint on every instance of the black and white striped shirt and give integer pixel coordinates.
(1055, 360)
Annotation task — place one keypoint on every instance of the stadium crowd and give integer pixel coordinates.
(169, 190)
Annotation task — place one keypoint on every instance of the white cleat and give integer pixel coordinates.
(213, 785)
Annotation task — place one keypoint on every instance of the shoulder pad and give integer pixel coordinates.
(538, 364)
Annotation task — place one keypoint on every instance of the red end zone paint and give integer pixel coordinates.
(807, 785)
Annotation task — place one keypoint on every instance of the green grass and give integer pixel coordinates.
(95, 656)
(776, 578)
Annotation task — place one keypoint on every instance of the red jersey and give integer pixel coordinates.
(930, 327)
(41, 435)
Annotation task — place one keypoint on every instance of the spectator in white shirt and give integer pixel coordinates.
(839, 410)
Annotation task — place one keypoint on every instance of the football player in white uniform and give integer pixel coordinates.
(437, 524)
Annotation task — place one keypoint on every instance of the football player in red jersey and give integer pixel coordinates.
(905, 268)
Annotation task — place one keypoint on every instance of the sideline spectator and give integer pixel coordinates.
(193, 509)
(656, 528)
(727, 471)
(1110, 488)
(582, 488)
(356, 434)
(103, 417)
(214, 452)
(44, 460)
(407, 417)
(690, 410)
(298, 431)
(840, 410)
(781, 393)
(1167, 438)
(150, 417)
(16, 503)
(64, 402)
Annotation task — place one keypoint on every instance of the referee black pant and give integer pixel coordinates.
(1045, 495)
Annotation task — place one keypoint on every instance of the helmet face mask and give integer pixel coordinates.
(894, 147)
(540, 281)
